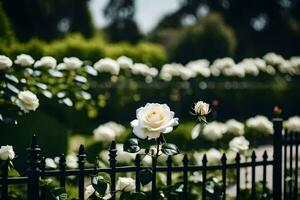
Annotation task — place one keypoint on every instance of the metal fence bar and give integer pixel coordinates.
(62, 168)
(33, 170)
(296, 167)
(277, 167)
(285, 139)
(264, 181)
(137, 172)
(185, 162)
(153, 188)
(237, 160)
(291, 166)
(81, 160)
(223, 161)
(112, 162)
(4, 181)
(253, 182)
(169, 170)
(43, 188)
(204, 163)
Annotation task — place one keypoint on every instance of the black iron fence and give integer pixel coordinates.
(284, 181)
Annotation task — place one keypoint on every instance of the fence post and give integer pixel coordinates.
(4, 184)
(277, 159)
(33, 170)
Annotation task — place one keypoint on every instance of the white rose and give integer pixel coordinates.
(123, 156)
(125, 62)
(213, 156)
(104, 134)
(5, 62)
(196, 131)
(152, 120)
(50, 163)
(117, 128)
(72, 63)
(27, 101)
(239, 144)
(140, 69)
(71, 161)
(89, 190)
(260, 123)
(7, 153)
(126, 184)
(214, 131)
(24, 60)
(235, 127)
(107, 65)
(292, 124)
(201, 108)
(46, 61)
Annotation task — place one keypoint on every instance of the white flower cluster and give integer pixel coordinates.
(216, 130)
(292, 124)
(122, 156)
(260, 124)
(108, 131)
(71, 162)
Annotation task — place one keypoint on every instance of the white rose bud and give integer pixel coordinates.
(7, 153)
(24, 60)
(5, 62)
(201, 108)
(27, 101)
(126, 184)
(152, 120)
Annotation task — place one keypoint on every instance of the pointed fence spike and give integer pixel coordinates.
(81, 149)
(253, 155)
(237, 157)
(224, 158)
(33, 141)
(265, 155)
(204, 159)
(185, 159)
(169, 160)
(137, 159)
(62, 159)
(113, 145)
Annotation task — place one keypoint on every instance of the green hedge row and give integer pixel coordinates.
(88, 49)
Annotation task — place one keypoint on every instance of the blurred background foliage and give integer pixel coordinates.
(198, 29)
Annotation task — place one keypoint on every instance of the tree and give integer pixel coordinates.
(121, 26)
(48, 19)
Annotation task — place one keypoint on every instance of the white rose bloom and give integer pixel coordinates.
(126, 184)
(125, 62)
(273, 58)
(107, 65)
(249, 67)
(292, 124)
(201, 108)
(172, 69)
(7, 153)
(260, 123)
(239, 144)
(72, 63)
(117, 128)
(104, 134)
(24, 60)
(71, 161)
(235, 127)
(50, 163)
(5, 62)
(213, 131)
(147, 160)
(295, 62)
(236, 70)
(200, 67)
(287, 67)
(213, 156)
(186, 73)
(152, 120)
(165, 76)
(46, 61)
(144, 70)
(27, 101)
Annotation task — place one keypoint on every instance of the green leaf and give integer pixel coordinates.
(145, 176)
(138, 196)
(202, 119)
(100, 183)
(59, 193)
(132, 145)
(169, 149)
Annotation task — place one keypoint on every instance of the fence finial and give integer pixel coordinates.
(223, 158)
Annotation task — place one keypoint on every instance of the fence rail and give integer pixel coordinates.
(285, 185)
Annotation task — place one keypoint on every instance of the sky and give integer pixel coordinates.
(148, 12)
